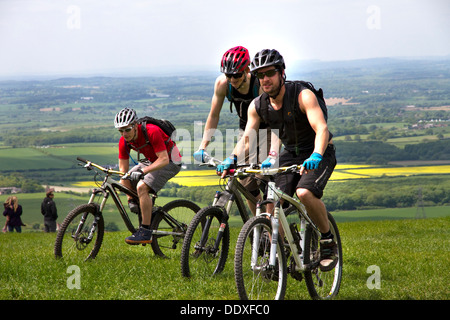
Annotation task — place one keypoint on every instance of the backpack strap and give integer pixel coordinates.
(256, 88)
(230, 96)
(147, 142)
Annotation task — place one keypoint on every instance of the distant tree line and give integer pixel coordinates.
(377, 152)
(18, 180)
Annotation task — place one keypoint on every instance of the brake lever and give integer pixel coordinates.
(88, 166)
(294, 168)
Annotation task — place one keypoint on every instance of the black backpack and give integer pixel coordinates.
(264, 108)
(166, 126)
(308, 85)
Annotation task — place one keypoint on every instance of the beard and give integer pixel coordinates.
(274, 89)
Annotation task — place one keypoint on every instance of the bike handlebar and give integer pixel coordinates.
(251, 169)
(272, 171)
(90, 164)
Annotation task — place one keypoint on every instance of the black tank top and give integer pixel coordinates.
(242, 101)
(294, 128)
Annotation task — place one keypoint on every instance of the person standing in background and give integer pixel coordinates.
(49, 211)
(12, 212)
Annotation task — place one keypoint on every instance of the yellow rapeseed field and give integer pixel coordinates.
(401, 171)
(192, 178)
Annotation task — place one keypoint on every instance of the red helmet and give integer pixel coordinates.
(235, 60)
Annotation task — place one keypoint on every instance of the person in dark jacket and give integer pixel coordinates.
(48, 210)
(12, 212)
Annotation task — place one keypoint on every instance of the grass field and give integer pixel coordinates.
(412, 256)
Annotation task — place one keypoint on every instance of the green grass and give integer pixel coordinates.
(413, 257)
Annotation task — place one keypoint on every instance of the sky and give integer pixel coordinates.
(39, 37)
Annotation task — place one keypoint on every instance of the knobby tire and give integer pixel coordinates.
(200, 261)
(67, 247)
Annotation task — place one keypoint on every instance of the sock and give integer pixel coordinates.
(327, 235)
(145, 226)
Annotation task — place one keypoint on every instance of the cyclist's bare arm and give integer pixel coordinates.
(124, 165)
(220, 91)
(310, 106)
(161, 161)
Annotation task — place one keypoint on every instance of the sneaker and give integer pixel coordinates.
(328, 255)
(134, 207)
(141, 236)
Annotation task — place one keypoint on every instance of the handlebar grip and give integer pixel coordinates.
(82, 160)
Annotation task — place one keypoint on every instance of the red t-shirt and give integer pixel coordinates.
(157, 139)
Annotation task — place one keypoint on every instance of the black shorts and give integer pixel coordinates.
(315, 181)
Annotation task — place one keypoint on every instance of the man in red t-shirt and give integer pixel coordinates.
(163, 161)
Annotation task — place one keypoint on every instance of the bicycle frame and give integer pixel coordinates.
(225, 200)
(276, 195)
(108, 188)
(232, 193)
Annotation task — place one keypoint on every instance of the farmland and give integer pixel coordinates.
(390, 128)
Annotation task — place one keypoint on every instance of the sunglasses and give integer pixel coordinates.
(270, 73)
(126, 130)
(234, 75)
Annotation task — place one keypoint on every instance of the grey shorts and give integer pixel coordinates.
(156, 180)
(263, 147)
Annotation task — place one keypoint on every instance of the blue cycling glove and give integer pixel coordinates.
(201, 155)
(313, 161)
(228, 163)
(270, 161)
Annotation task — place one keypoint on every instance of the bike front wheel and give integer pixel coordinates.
(255, 278)
(80, 235)
(322, 285)
(170, 229)
(205, 247)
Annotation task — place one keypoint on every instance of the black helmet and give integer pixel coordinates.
(267, 58)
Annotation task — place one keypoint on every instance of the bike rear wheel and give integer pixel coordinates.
(173, 227)
(80, 235)
(322, 285)
(199, 257)
(255, 279)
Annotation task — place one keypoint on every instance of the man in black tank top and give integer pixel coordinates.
(292, 110)
(240, 87)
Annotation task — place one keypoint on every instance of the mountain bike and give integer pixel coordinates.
(263, 259)
(206, 244)
(81, 233)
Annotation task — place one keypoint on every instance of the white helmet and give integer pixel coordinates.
(125, 117)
